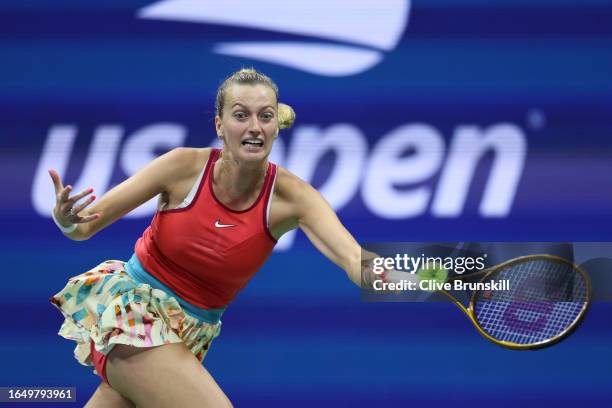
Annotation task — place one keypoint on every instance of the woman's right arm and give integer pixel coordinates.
(151, 180)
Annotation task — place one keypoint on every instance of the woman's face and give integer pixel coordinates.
(249, 122)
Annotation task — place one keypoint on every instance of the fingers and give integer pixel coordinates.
(77, 209)
(66, 203)
(63, 205)
(57, 182)
(64, 200)
(63, 195)
(67, 208)
(82, 194)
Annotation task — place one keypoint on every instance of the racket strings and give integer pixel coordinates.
(540, 281)
(545, 299)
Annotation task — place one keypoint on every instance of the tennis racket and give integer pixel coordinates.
(547, 298)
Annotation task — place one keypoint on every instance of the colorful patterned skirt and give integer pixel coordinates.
(106, 306)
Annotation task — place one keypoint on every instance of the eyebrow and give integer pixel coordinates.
(239, 104)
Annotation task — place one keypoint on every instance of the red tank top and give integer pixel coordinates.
(207, 252)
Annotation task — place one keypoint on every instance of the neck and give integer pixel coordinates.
(236, 180)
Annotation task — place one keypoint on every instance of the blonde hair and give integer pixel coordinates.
(250, 76)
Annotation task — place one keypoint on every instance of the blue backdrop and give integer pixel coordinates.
(423, 120)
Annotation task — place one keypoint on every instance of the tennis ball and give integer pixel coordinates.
(435, 274)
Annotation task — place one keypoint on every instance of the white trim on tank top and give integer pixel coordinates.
(270, 199)
(187, 200)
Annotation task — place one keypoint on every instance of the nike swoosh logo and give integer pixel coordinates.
(219, 225)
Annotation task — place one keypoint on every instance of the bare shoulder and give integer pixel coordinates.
(288, 202)
(189, 156)
(179, 170)
(184, 162)
(289, 187)
(296, 204)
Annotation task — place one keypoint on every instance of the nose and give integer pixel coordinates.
(254, 126)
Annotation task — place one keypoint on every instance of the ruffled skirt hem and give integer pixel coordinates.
(106, 306)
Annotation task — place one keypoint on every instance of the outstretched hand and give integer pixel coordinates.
(66, 210)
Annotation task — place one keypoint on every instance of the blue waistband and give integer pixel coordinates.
(134, 268)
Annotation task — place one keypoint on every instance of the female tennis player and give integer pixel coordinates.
(146, 324)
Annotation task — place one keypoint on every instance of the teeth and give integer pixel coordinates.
(253, 142)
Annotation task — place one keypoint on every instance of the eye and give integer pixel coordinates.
(239, 115)
(267, 116)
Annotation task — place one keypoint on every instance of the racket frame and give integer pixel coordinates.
(469, 311)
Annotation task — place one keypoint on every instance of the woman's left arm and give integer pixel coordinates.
(321, 225)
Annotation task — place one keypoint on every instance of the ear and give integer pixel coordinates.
(218, 127)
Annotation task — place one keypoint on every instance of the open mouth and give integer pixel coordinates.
(252, 143)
